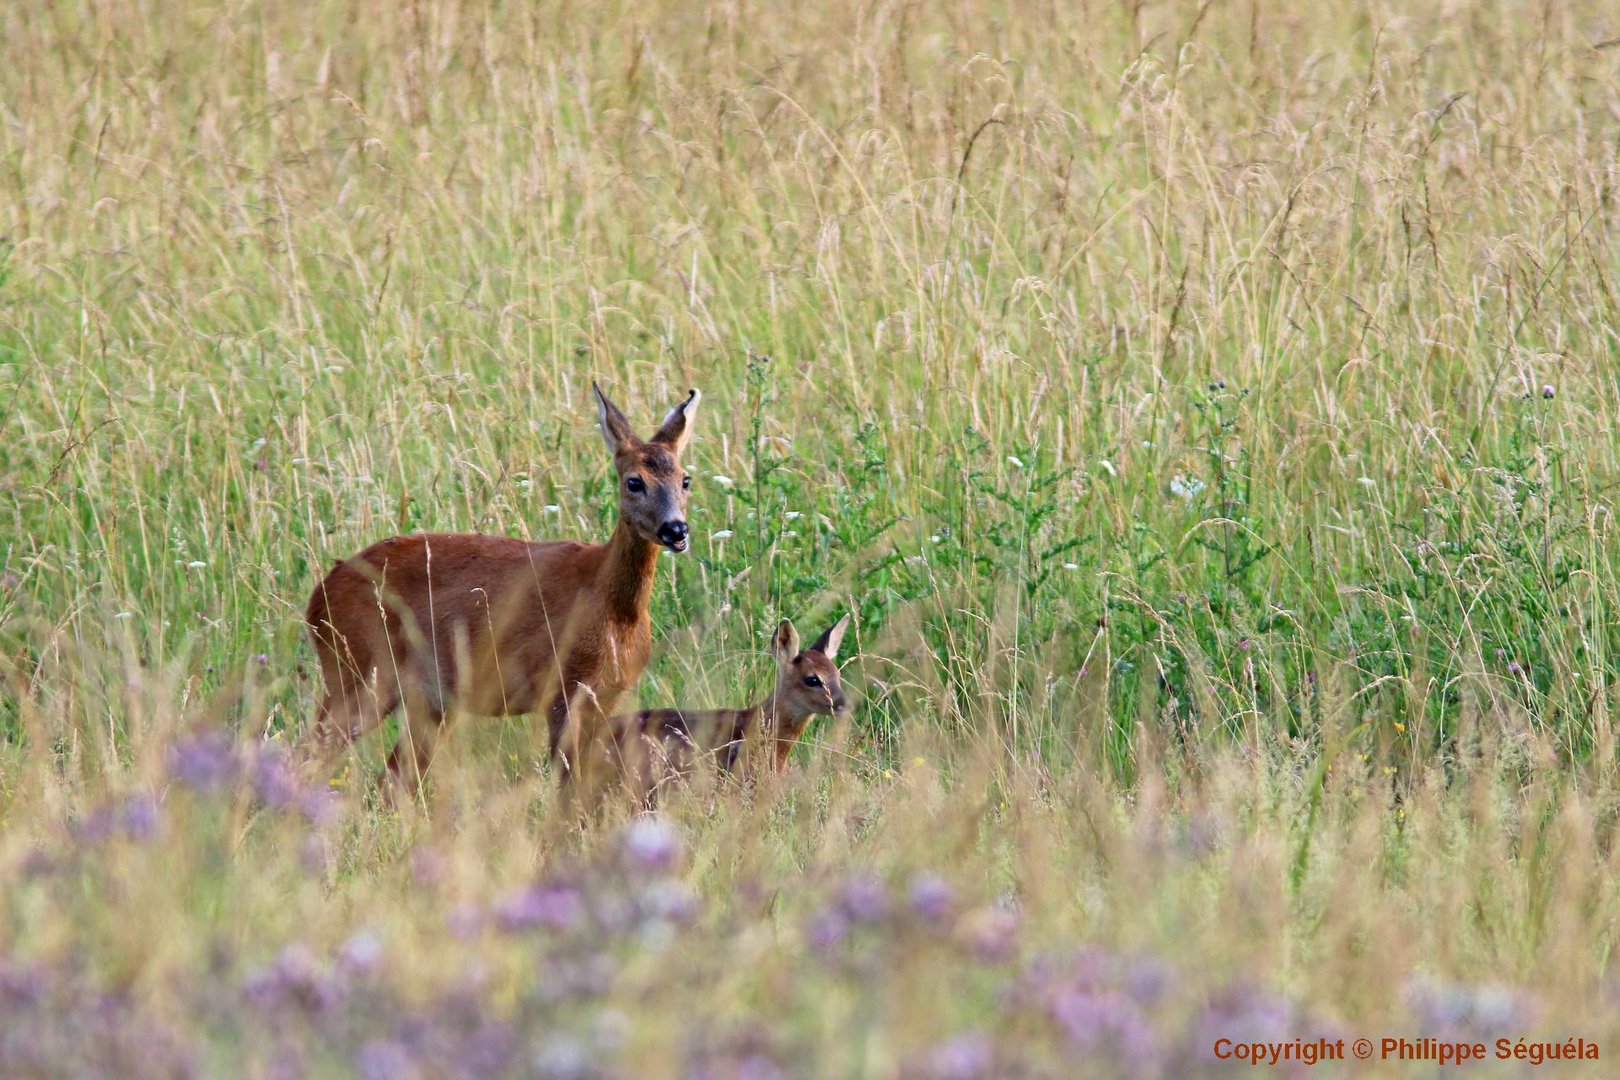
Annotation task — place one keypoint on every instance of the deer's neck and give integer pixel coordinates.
(627, 574)
(771, 716)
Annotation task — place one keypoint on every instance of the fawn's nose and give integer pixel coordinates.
(673, 533)
(840, 702)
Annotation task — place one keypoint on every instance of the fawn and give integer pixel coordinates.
(654, 747)
(497, 626)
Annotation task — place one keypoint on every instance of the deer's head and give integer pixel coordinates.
(652, 484)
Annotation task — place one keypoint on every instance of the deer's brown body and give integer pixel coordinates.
(655, 747)
(496, 625)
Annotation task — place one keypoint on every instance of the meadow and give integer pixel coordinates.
(1205, 409)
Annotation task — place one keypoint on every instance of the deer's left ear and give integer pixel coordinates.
(828, 642)
(676, 430)
(785, 642)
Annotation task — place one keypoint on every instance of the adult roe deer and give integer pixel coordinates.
(495, 625)
(654, 747)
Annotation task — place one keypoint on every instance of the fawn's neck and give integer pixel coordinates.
(769, 714)
(627, 574)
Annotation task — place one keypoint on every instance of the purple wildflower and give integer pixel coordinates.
(385, 1059)
(272, 777)
(1242, 1013)
(669, 901)
(133, 818)
(488, 1050)
(826, 929)
(320, 806)
(9, 581)
(967, 1056)
(931, 897)
(1106, 1022)
(294, 980)
(556, 907)
(205, 762)
(361, 954)
(863, 899)
(651, 844)
(139, 818)
(21, 987)
(562, 1057)
(758, 1066)
(37, 863)
(1147, 978)
(991, 935)
(1458, 1010)
(1548, 391)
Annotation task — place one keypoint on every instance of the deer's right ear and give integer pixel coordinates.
(615, 428)
(785, 643)
(676, 430)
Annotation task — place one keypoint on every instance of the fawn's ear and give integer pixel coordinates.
(676, 430)
(828, 642)
(785, 642)
(615, 428)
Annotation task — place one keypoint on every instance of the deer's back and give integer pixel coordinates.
(444, 600)
(671, 740)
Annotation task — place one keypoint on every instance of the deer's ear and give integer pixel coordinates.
(785, 642)
(615, 428)
(676, 430)
(828, 642)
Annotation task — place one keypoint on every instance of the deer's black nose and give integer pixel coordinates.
(673, 533)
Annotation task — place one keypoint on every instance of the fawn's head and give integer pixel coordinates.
(652, 484)
(807, 683)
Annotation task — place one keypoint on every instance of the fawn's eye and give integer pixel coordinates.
(634, 484)
(686, 481)
(812, 680)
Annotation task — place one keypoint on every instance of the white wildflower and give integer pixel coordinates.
(723, 481)
(1108, 467)
(553, 508)
(196, 564)
(1015, 461)
(720, 534)
(1071, 566)
(1188, 487)
(792, 515)
(124, 615)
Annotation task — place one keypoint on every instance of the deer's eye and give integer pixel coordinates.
(812, 680)
(686, 481)
(634, 484)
